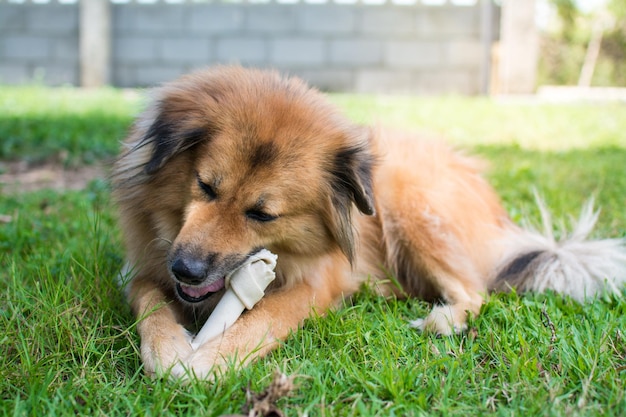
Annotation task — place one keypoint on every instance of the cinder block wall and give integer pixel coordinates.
(359, 47)
(38, 43)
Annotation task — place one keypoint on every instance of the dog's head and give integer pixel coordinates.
(259, 161)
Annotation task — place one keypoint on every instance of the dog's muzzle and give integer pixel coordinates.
(195, 294)
(192, 285)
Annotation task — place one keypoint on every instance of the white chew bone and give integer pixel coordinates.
(245, 286)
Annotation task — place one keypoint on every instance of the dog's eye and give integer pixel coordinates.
(260, 216)
(207, 189)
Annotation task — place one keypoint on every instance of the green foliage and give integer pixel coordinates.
(563, 51)
(68, 343)
(568, 12)
(560, 62)
(612, 69)
(618, 9)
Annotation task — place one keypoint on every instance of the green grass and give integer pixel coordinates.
(70, 126)
(67, 339)
(467, 122)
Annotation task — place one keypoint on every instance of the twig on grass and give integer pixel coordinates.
(548, 323)
(264, 403)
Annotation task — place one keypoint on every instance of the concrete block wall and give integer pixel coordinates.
(386, 48)
(39, 43)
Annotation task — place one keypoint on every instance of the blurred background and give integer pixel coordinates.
(431, 47)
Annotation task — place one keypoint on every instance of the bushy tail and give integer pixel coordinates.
(574, 265)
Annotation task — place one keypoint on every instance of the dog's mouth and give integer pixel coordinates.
(198, 293)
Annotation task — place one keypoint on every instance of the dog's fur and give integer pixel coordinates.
(230, 160)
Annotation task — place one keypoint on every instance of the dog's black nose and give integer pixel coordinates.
(189, 271)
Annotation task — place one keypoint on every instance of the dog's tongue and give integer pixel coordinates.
(199, 292)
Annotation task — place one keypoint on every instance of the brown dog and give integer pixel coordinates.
(227, 161)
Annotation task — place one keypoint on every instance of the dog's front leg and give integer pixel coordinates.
(164, 342)
(257, 331)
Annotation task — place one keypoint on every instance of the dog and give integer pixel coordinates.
(228, 160)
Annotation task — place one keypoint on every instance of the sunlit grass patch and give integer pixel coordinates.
(68, 343)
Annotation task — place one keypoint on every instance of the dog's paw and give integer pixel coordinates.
(443, 320)
(163, 349)
(188, 369)
(202, 364)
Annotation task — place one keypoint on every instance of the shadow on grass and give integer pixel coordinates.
(70, 140)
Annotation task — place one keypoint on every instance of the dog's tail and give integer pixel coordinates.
(573, 265)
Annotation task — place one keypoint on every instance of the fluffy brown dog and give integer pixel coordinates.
(227, 161)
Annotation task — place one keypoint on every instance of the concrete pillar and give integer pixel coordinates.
(519, 48)
(487, 38)
(95, 43)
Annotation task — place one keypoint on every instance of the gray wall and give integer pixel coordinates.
(38, 42)
(387, 48)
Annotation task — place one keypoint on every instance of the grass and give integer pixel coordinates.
(70, 126)
(67, 339)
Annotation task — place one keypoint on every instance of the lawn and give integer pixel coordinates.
(67, 339)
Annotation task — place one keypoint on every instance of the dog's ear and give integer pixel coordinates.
(351, 183)
(170, 136)
(179, 118)
(352, 174)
